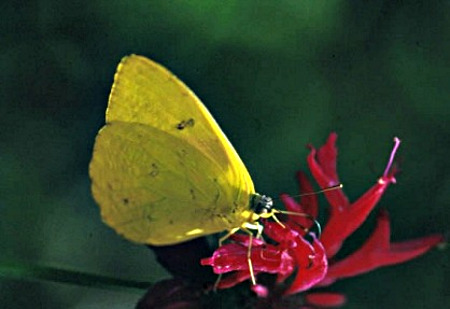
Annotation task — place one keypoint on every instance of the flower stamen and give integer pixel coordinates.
(392, 156)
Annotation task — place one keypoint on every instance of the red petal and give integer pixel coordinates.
(243, 239)
(308, 205)
(377, 252)
(292, 205)
(232, 257)
(232, 279)
(325, 172)
(308, 202)
(303, 252)
(415, 244)
(227, 258)
(344, 222)
(310, 275)
(286, 236)
(327, 156)
(325, 299)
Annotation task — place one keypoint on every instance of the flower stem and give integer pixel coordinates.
(38, 272)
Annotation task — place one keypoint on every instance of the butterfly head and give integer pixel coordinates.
(262, 206)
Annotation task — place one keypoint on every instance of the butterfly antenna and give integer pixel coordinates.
(335, 187)
(292, 213)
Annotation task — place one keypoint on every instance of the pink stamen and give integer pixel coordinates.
(391, 158)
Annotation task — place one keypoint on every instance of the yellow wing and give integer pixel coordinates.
(162, 170)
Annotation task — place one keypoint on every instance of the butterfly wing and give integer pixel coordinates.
(162, 170)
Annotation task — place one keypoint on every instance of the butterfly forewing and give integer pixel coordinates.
(162, 170)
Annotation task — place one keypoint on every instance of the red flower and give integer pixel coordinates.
(312, 259)
(378, 251)
(344, 218)
(233, 257)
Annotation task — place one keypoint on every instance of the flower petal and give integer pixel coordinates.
(298, 223)
(233, 258)
(378, 251)
(309, 275)
(227, 258)
(232, 279)
(286, 235)
(308, 203)
(344, 221)
(326, 156)
(244, 239)
(324, 172)
(325, 299)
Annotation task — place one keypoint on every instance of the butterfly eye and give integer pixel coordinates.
(261, 204)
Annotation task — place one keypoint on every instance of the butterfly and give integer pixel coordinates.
(162, 170)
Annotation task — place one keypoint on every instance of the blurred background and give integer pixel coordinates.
(275, 74)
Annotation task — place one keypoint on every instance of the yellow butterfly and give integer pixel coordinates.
(162, 170)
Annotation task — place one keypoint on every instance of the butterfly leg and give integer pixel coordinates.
(247, 227)
(221, 240)
(228, 235)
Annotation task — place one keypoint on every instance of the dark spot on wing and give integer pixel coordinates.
(155, 170)
(224, 217)
(217, 197)
(183, 152)
(186, 123)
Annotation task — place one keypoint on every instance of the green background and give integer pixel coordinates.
(275, 74)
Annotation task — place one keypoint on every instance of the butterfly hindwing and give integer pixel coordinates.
(162, 170)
